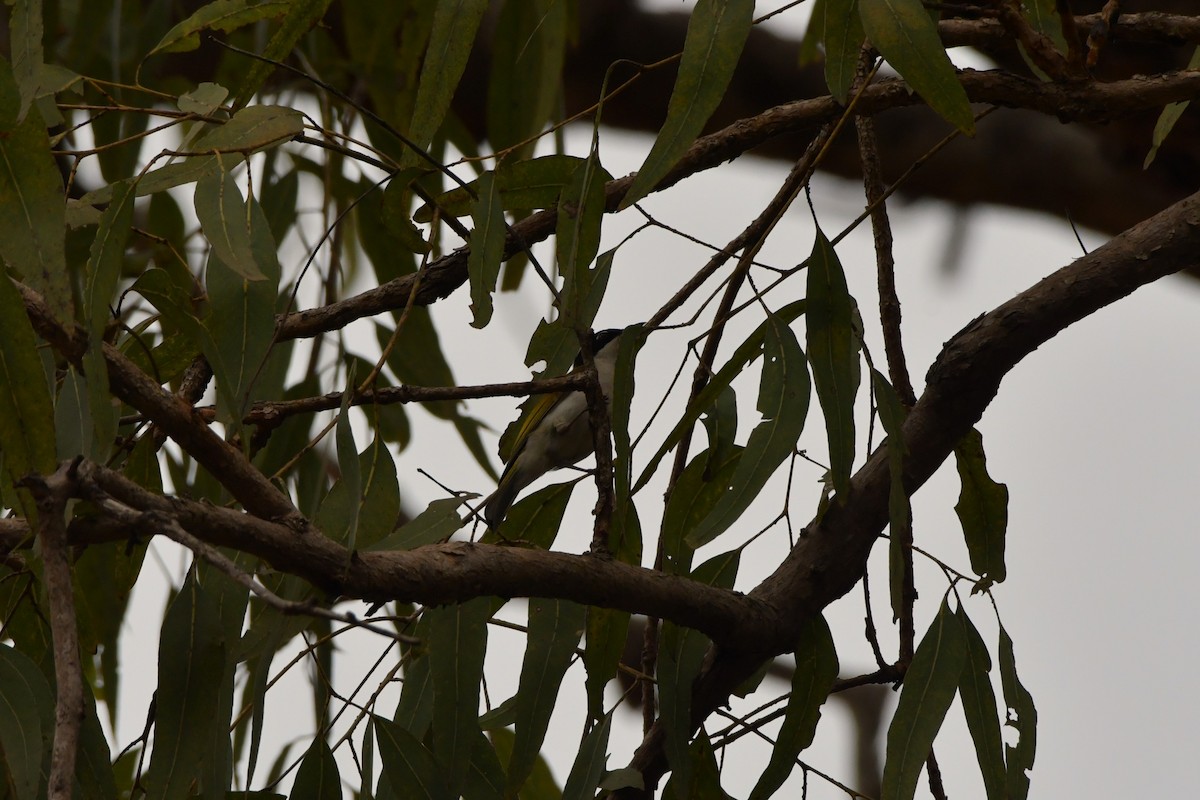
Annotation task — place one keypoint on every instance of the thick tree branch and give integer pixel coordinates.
(832, 555)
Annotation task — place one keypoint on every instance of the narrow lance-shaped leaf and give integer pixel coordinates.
(222, 212)
(536, 183)
(816, 671)
(32, 203)
(903, 33)
(221, 15)
(716, 35)
(833, 355)
(783, 396)
(26, 721)
(455, 23)
(590, 763)
(979, 708)
(577, 237)
(27, 437)
(929, 687)
(891, 414)
(457, 642)
(317, 778)
(25, 44)
(1168, 117)
(348, 462)
(681, 655)
(526, 72)
(982, 509)
(554, 630)
(1022, 715)
(408, 765)
(487, 249)
(301, 16)
(843, 42)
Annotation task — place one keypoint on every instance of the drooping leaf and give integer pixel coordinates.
(222, 212)
(1043, 17)
(414, 712)
(703, 779)
(204, 99)
(834, 356)
(318, 777)
(192, 670)
(982, 509)
(535, 520)
(903, 33)
(221, 15)
(701, 485)
(487, 249)
(32, 203)
(843, 41)
(408, 764)
(103, 271)
(745, 353)
(721, 424)
(457, 642)
(681, 655)
(436, 523)
(299, 17)
(716, 35)
(891, 414)
(27, 437)
(25, 44)
(455, 23)
(590, 762)
(486, 780)
(979, 708)
(1169, 116)
(526, 72)
(554, 630)
(26, 722)
(783, 395)
(929, 687)
(541, 784)
(607, 631)
(577, 237)
(1022, 715)
(816, 671)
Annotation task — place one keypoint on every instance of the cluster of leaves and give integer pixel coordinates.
(126, 300)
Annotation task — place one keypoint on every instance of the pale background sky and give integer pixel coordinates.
(1095, 435)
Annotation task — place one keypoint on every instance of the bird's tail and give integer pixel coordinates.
(497, 505)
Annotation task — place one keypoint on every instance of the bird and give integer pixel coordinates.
(557, 433)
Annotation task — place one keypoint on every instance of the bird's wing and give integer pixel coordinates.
(537, 412)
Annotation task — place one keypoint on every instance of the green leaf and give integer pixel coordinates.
(929, 687)
(1169, 116)
(982, 509)
(25, 44)
(681, 655)
(222, 15)
(318, 777)
(590, 762)
(348, 462)
(103, 272)
(721, 424)
(745, 353)
(554, 630)
(833, 353)
(27, 437)
(1043, 17)
(536, 183)
(526, 72)
(1022, 715)
(535, 520)
(979, 708)
(222, 212)
(192, 671)
(486, 779)
(414, 712)
(204, 99)
(436, 523)
(577, 237)
(705, 784)
(816, 671)
(26, 722)
(300, 17)
(783, 395)
(487, 249)
(455, 23)
(32, 203)
(892, 414)
(408, 764)
(607, 632)
(716, 35)
(703, 483)
(904, 34)
(541, 784)
(457, 642)
(843, 33)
